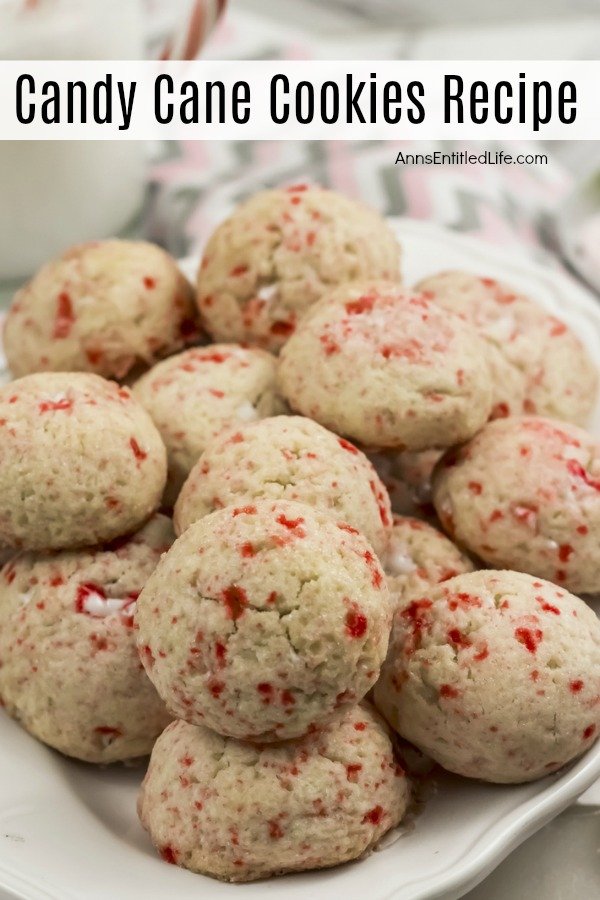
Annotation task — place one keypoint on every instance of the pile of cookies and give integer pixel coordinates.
(205, 563)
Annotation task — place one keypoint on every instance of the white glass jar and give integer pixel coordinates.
(56, 193)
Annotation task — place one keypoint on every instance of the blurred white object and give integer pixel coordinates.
(415, 13)
(53, 194)
(578, 229)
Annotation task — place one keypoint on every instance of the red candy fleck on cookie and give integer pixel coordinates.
(346, 445)
(448, 692)
(352, 770)
(168, 854)
(588, 732)
(482, 654)
(149, 282)
(462, 600)
(527, 515)
(282, 328)
(330, 346)
(63, 403)
(148, 655)
(216, 687)
(456, 637)
(575, 468)
(362, 305)
(275, 830)
(266, 690)
(548, 607)
(529, 637)
(236, 600)
(564, 552)
(356, 624)
(576, 686)
(220, 653)
(376, 576)
(380, 498)
(291, 524)
(84, 592)
(344, 527)
(558, 327)
(139, 454)
(374, 816)
(65, 317)
(244, 510)
(109, 731)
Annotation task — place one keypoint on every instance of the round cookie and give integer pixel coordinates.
(539, 365)
(104, 307)
(69, 668)
(288, 458)
(388, 369)
(193, 396)
(418, 557)
(81, 462)
(279, 252)
(239, 812)
(495, 675)
(525, 494)
(264, 621)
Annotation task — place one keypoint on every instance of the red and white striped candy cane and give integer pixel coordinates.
(200, 19)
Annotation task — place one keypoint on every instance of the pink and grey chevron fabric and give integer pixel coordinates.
(197, 183)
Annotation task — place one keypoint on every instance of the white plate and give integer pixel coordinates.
(68, 830)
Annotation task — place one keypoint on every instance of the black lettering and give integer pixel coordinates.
(240, 98)
(103, 88)
(25, 81)
(163, 112)
(392, 102)
(567, 94)
(478, 97)
(416, 91)
(352, 98)
(279, 85)
(50, 107)
(453, 89)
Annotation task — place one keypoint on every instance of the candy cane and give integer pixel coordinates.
(199, 22)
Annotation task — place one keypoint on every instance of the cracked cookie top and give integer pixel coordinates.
(539, 365)
(104, 307)
(495, 675)
(193, 396)
(265, 620)
(240, 812)
(387, 368)
(279, 252)
(288, 458)
(82, 462)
